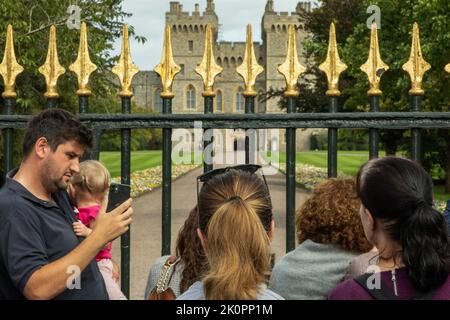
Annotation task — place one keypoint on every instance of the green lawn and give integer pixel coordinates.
(348, 162)
(140, 160)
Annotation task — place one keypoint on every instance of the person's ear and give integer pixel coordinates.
(370, 220)
(42, 148)
(202, 238)
(272, 230)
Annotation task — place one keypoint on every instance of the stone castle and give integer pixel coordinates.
(188, 36)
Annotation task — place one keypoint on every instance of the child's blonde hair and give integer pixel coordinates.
(93, 178)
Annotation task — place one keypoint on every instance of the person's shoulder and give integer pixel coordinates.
(159, 263)
(348, 290)
(268, 294)
(194, 292)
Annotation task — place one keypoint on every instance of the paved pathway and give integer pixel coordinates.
(146, 227)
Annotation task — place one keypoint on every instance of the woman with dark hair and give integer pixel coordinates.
(399, 218)
(192, 261)
(235, 227)
(330, 235)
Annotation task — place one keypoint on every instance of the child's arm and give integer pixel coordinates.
(81, 230)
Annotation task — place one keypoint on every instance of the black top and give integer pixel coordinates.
(33, 233)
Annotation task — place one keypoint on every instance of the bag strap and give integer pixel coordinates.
(384, 293)
(166, 274)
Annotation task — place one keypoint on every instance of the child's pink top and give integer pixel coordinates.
(86, 216)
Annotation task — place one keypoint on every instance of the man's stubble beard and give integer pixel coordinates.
(50, 184)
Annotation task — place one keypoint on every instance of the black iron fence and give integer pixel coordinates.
(290, 121)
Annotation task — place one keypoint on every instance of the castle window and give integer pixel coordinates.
(190, 98)
(219, 101)
(239, 61)
(196, 28)
(233, 61)
(240, 101)
(157, 101)
(191, 45)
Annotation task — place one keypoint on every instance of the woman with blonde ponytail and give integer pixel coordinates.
(235, 227)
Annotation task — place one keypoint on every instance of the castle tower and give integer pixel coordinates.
(188, 36)
(275, 26)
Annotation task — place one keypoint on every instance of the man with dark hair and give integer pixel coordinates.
(40, 255)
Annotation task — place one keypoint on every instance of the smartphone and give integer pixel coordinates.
(118, 193)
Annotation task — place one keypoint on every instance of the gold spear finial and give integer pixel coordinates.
(167, 69)
(374, 66)
(416, 65)
(447, 68)
(51, 69)
(333, 66)
(125, 69)
(249, 69)
(291, 68)
(208, 69)
(9, 69)
(83, 66)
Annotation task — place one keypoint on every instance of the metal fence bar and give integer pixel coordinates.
(167, 181)
(332, 141)
(209, 107)
(373, 133)
(416, 139)
(125, 178)
(290, 181)
(356, 120)
(250, 109)
(8, 137)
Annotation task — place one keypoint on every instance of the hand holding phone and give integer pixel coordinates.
(118, 193)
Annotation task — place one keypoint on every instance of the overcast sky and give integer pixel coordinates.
(149, 17)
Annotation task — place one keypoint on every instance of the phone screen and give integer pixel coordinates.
(118, 193)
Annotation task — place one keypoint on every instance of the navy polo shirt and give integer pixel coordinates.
(33, 233)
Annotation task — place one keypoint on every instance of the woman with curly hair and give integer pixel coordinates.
(191, 263)
(330, 235)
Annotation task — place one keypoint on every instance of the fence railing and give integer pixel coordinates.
(208, 70)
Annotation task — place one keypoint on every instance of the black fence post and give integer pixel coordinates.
(8, 137)
(373, 133)
(167, 181)
(332, 141)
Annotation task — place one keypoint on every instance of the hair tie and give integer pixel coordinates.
(422, 203)
(234, 198)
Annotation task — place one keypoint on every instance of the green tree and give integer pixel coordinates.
(397, 18)
(31, 20)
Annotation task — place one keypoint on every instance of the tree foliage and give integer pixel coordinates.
(353, 36)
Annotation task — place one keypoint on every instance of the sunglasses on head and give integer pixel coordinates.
(251, 168)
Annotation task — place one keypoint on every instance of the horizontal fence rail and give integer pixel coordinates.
(379, 120)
